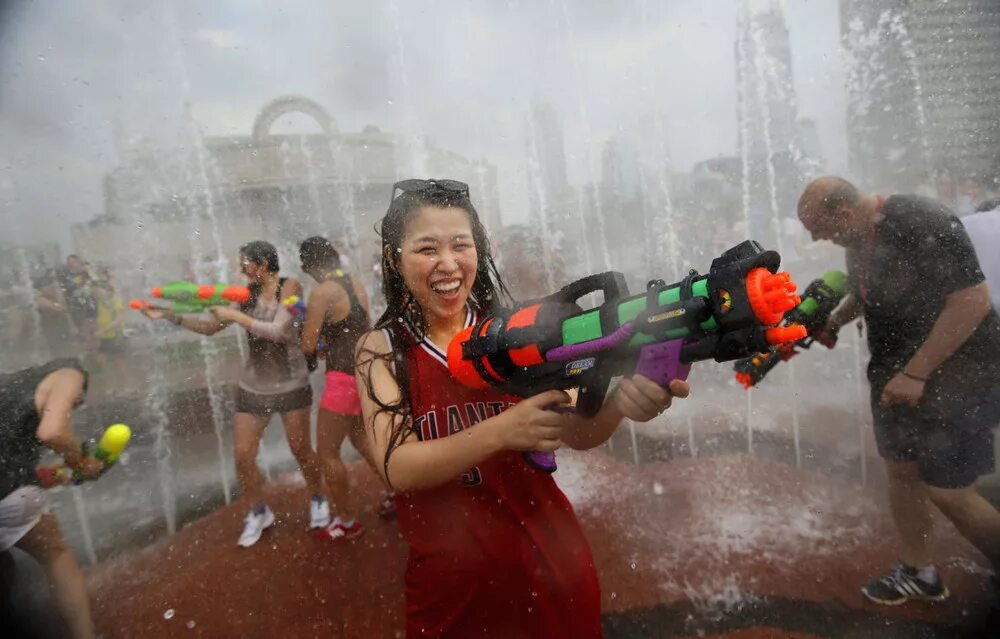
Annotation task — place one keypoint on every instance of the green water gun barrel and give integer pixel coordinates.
(587, 326)
(835, 281)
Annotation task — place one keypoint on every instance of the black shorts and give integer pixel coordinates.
(265, 405)
(951, 436)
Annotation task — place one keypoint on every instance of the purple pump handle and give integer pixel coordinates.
(660, 362)
(545, 462)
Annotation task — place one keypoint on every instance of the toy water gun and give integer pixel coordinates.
(108, 449)
(188, 297)
(295, 306)
(819, 300)
(553, 343)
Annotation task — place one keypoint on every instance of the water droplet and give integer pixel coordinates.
(169, 614)
(190, 624)
(632, 565)
(614, 595)
(41, 58)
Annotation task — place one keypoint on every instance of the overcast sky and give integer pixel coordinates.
(461, 72)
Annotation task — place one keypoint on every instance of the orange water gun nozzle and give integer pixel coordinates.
(784, 334)
(139, 305)
(745, 380)
(238, 294)
(157, 292)
(770, 294)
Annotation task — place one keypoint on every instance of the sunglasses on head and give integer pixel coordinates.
(416, 186)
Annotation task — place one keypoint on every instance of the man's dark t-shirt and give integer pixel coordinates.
(919, 255)
(19, 419)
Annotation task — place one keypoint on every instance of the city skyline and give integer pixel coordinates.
(140, 70)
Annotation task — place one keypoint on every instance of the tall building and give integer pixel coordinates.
(923, 90)
(552, 203)
(773, 163)
(187, 210)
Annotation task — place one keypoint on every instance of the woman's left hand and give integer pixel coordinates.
(641, 399)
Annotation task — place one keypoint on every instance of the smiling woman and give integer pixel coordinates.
(494, 543)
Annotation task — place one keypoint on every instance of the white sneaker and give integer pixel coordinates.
(319, 512)
(256, 523)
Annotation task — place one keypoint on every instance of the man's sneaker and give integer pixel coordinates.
(901, 584)
(256, 522)
(319, 512)
(387, 507)
(340, 530)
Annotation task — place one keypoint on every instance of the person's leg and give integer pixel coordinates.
(900, 432)
(963, 452)
(247, 430)
(911, 511)
(975, 518)
(296, 424)
(46, 544)
(331, 429)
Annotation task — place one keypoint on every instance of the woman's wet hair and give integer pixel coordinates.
(403, 318)
(261, 252)
(317, 252)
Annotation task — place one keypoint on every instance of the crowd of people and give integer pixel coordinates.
(466, 505)
(80, 312)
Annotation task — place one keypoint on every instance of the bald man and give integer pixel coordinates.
(934, 370)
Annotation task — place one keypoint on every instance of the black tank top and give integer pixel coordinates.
(19, 419)
(341, 337)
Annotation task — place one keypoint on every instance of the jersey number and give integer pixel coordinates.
(472, 477)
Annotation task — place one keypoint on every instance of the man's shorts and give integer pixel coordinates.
(950, 436)
(19, 513)
(266, 405)
(341, 394)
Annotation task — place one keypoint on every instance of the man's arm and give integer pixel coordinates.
(963, 312)
(848, 311)
(54, 405)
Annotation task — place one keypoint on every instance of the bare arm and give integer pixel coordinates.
(849, 310)
(321, 302)
(963, 311)
(202, 325)
(362, 295)
(415, 464)
(55, 399)
(49, 305)
(276, 329)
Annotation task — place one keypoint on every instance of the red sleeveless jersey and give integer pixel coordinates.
(497, 552)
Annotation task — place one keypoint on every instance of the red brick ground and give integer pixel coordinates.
(715, 537)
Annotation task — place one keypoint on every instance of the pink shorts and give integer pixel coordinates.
(341, 394)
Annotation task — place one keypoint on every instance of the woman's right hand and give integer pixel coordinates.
(535, 423)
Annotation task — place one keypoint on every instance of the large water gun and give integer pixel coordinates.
(552, 343)
(819, 300)
(188, 297)
(107, 450)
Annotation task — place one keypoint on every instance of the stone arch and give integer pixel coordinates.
(289, 104)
